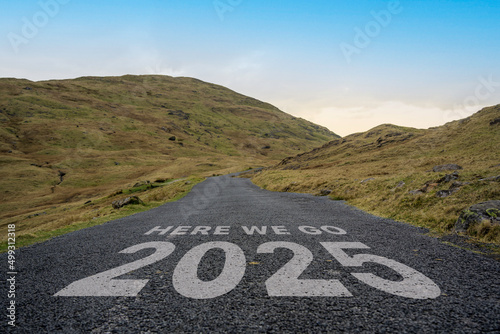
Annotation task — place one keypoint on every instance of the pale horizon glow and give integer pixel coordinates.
(343, 65)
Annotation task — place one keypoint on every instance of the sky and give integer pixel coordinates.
(347, 65)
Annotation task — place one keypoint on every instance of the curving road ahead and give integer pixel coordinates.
(231, 257)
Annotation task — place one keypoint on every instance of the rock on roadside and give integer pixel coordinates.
(324, 192)
(478, 213)
(126, 201)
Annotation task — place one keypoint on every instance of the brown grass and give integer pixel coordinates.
(106, 134)
(401, 160)
(71, 216)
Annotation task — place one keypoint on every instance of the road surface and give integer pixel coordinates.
(231, 257)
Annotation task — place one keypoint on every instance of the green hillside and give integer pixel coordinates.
(100, 136)
(389, 171)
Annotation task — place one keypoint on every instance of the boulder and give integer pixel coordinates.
(446, 193)
(429, 186)
(398, 186)
(324, 192)
(495, 121)
(126, 201)
(442, 168)
(37, 215)
(179, 113)
(478, 213)
(141, 183)
(492, 178)
(449, 177)
(455, 186)
(458, 184)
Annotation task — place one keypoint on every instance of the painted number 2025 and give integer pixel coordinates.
(285, 282)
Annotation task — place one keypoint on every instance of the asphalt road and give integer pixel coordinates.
(230, 257)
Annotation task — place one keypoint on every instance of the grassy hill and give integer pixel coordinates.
(381, 171)
(64, 143)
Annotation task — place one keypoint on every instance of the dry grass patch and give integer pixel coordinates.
(54, 221)
(378, 170)
(106, 134)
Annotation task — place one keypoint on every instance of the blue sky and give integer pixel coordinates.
(348, 65)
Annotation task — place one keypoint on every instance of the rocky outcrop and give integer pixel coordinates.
(141, 183)
(126, 201)
(495, 121)
(61, 175)
(393, 137)
(492, 178)
(446, 193)
(483, 212)
(179, 113)
(453, 188)
(324, 192)
(431, 185)
(416, 192)
(449, 177)
(447, 167)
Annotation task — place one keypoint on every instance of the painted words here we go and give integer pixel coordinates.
(248, 230)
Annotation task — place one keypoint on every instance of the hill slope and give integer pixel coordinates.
(72, 141)
(388, 170)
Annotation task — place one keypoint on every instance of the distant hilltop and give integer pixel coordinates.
(64, 143)
(434, 178)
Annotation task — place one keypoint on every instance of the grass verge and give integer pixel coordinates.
(52, 223)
